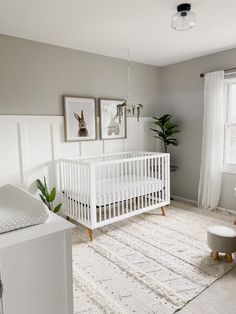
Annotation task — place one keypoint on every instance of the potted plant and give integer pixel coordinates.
(47, 196)
(165, 131)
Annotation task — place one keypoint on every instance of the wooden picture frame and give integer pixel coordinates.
(110, 126)
(80, 118)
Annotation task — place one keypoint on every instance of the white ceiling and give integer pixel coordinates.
(109, 27)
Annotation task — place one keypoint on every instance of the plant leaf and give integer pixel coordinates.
(57, 208)
(158, 123)
(46, 193)
(42, 199)
(169, 125)
(52, 195)
(40, 186)
(165, 118)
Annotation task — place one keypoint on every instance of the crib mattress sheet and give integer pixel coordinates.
(116, 189)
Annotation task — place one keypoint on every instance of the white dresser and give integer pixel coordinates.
(36, 269)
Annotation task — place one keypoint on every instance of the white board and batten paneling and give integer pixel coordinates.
(29, 145)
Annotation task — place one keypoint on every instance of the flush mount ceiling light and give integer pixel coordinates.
(184, 19)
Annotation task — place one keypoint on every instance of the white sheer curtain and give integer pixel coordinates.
(212, 141)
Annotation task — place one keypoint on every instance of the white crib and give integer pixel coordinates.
(100, 190)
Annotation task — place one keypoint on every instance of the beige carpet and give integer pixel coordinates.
(146, 264)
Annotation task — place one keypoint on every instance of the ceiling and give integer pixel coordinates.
(110, 27)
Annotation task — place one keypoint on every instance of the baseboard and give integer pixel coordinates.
(187, 200)
(183, 199)
(222, 209)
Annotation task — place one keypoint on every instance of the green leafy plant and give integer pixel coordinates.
(47, 196)
(166, 129)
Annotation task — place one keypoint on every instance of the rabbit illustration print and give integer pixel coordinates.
(111, 127)
(80, 118)
(83, 132)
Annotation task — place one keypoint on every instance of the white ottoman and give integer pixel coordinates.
(221, 239)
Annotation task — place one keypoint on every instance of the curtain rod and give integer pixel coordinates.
(227, 71)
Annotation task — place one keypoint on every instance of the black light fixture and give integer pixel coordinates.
(184, 19)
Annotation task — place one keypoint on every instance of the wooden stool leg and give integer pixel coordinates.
(163, 211)
(229, 257)
(90, 234)
(215, 255)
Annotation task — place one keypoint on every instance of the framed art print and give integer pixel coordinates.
(80, 118)
(110, 126)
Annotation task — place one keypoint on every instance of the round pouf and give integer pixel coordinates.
(221, 239)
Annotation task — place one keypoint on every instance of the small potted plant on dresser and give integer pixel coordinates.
(165, 131)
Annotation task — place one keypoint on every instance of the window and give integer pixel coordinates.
(230, 127)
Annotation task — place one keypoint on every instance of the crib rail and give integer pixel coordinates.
(104, 189)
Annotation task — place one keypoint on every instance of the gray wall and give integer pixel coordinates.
(34, 76)
(182, 95)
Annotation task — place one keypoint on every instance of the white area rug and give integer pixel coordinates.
(146, 264)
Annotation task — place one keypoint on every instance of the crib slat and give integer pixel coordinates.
(145, 180)
(158, 175)
(122, 187)
(72, 189)
(133, 186)
(80, 191)
(168, 177)
(149, 181)
(130, 186)
(69, 189)
(101, 172)
(138, 185)
(118, 187)
(92, 196)
(113, 190)
(162, 178)
(125, 184)
(156, 178)
(77, 192)
(109, 190)
(84, 194)
(142, 185)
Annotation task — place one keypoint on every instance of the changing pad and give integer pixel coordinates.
(19, 209)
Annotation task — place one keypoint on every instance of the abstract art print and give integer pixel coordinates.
(111, 127)
(80, 118)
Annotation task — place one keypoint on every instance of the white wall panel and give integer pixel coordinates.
(64, 149)
(10, 156)
(146, 135)
(40, 161)
(113, 146)
(91, 148)
(133, 140)
(29, 145)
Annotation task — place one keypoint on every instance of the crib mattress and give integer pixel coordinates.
(116, 189)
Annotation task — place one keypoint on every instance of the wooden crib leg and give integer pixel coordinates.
(90, 234)
(67, 218)
(163, 211)
(215, 255)
(235, 222)
(229, 257)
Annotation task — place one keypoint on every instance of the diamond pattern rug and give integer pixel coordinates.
(148, 263)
